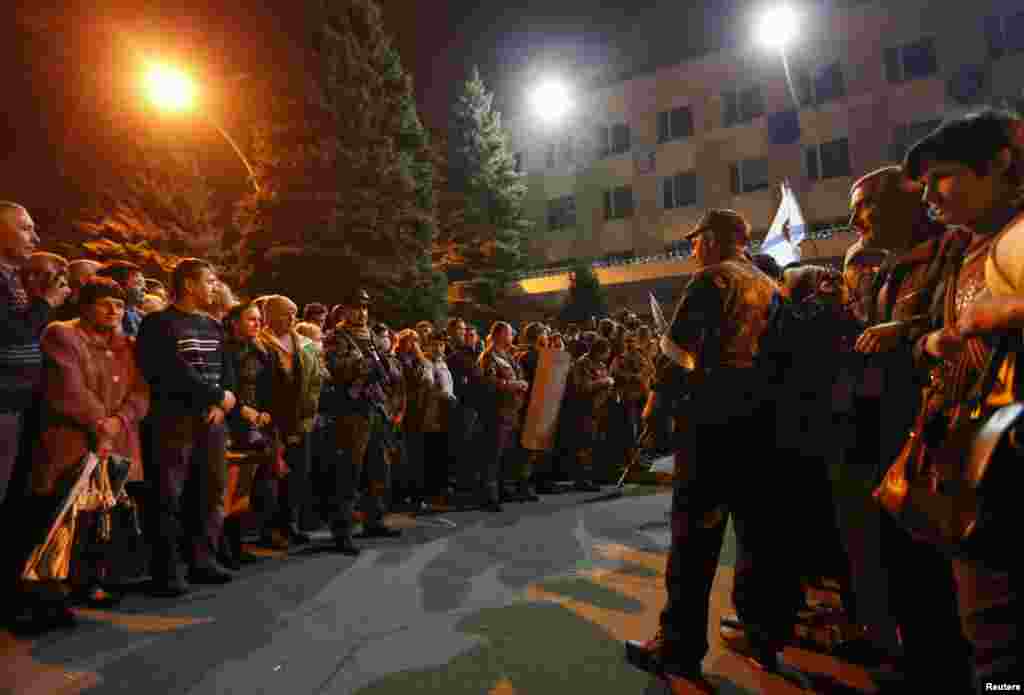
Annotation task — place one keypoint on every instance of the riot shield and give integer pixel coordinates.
(546, 400)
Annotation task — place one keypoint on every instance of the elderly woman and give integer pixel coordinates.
(94, 394)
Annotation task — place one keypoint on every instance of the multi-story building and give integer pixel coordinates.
(642, 158)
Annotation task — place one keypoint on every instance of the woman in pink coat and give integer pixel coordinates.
(94, 393)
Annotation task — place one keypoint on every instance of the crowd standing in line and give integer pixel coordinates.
(338, 420)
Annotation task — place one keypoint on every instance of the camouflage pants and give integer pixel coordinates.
(356, 444)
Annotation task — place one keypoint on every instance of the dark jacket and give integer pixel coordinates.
(21, 324)
(183, 358)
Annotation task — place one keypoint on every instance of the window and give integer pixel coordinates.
(568, 150)
(828, 160)
(549, 159)
(822, 86)
(620, 138)
(680, 190)
(742, 106)
(1004, 34)
(675, 124)
(911, 61)
(613, 139)
(749, 175)
(603, 136)
(906, 135)
(562, 212)
(618, 203)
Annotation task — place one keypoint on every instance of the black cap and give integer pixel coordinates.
(356, 298)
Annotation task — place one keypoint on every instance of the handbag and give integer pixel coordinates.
(108, 544)
(952, 483)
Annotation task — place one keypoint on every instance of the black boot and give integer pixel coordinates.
(345, 546)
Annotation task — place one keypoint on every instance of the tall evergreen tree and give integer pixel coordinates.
(586, 298)
(345, 171)
(482, 169)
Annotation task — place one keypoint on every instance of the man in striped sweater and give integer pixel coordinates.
(25, 309)
(181, 353)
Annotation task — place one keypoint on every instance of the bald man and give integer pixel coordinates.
(296, 396)
(905, 585)
(26, 304)
(79, 271)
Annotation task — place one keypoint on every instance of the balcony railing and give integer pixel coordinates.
(681, 253)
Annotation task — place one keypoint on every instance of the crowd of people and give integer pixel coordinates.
(181, 390)
(764, 383)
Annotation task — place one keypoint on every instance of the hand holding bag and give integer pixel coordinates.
(951, 483)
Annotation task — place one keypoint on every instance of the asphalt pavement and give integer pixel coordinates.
(533, 600)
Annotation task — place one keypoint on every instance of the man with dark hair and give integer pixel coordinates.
(711, 349)
(315, 312)
(466, 374)
(129, 276)
(25, 309)
(972, 171)
(769, 266)
(181, 353)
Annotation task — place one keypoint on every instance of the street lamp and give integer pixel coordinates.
(776, 30)
(551, 101)
(171, 89)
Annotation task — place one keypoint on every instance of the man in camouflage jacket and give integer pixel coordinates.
(594, 390)
(360, 376)
(723, 462)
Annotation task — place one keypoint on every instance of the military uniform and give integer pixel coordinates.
(501, 418)
(359, 376)
(593, 402)
(633, 372)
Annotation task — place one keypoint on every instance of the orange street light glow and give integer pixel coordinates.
(169, 88)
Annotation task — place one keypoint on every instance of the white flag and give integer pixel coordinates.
(787, 231)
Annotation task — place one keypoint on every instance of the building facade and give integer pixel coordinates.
(641, 159)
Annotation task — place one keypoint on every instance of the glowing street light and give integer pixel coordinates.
(776, 29)
(551, 101)
(171, 89)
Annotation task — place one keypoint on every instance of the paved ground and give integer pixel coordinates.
(534, 601)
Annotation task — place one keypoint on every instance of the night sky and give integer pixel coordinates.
(440, 40)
